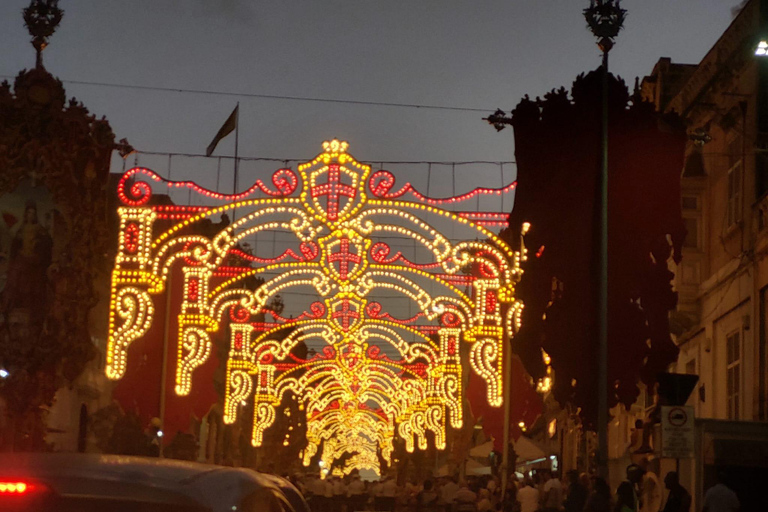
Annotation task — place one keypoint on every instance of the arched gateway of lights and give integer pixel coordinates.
(375, 374)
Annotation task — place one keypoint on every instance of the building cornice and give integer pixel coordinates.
(722, 57)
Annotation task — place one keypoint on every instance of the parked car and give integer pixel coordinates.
(68, 482)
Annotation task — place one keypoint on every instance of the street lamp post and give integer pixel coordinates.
(42, 17)
(605, 19)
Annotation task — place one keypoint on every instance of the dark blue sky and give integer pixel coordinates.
(480, 54)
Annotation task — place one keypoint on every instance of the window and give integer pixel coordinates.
(733, 373)
(734, 194)
(691, 203)
(692, 235)
(690, 272)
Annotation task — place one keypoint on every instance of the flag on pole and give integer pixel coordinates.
(229, 125)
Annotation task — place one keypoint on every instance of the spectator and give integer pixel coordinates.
(509, 502)
(465, 499)
(577, 494)
(626, 499)
(649, 490)
(327, 502)
(585, 482)
(679, 500)
(484, 501)
(720, 498)
(427, 499)
(448, 493)
(553, 492)
(528, 497)
(600, 499)
(356, 493)
(388, 495)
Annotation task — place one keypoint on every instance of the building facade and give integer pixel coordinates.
(722, 281)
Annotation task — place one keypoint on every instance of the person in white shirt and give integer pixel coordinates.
(339, 489)
(448, 491)
(388, 495)
(465, 499)
(356, 486)
(528, 497)
(324, 489)
(553, 492)
(484, 503)
(650, 493)
(720, 498)
(492, 485)
(356, 494)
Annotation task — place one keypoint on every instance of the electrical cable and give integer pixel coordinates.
(286, 161)
(271, 96)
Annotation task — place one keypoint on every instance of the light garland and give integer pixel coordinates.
(356, 394)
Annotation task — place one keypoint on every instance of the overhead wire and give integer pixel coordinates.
(289, 160)
(271, 96)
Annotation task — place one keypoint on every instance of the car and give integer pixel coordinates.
(70, 482)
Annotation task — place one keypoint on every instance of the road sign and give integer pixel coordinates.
(677, 435)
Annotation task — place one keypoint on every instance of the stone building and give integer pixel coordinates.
(720, 322)
(723, 279)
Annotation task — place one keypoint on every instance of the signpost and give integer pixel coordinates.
(677, 432)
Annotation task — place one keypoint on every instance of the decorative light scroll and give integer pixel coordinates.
(376, 376)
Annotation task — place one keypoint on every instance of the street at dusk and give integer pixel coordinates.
(384, 256)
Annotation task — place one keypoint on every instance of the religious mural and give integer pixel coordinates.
(28, 221)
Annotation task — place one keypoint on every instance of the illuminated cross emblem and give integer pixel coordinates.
(333, 190)
(345, 314)
(351, 355)
(345, 258)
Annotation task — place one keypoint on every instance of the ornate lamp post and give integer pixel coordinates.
(42, 17)
(605, 19)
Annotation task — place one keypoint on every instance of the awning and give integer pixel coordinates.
(526, 449)
(482, 450)
(475, 468)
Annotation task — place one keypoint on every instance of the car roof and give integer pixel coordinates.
(75, 473)
(106, 466)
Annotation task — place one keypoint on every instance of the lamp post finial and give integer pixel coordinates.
(42, 17)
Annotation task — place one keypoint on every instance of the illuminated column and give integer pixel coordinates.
(486, 336)
(406, 433)
(264, 402)
(135, 238)
(195, 326)
(239, 381)
(436, 423)
(449, 385)
(130, 307)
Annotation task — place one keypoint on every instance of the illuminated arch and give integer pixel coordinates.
(376, 376)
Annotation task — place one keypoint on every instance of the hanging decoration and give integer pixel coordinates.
(369, 376)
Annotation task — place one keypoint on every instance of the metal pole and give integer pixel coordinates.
(507, 380)
(602, 384)
(237, 140)
(164, 370)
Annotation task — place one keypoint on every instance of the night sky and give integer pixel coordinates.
(476, 54)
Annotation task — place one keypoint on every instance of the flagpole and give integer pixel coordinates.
(237, 137)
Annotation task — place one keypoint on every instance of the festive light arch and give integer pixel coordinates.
(376, 376)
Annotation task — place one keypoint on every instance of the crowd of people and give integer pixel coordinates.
(541, 491)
